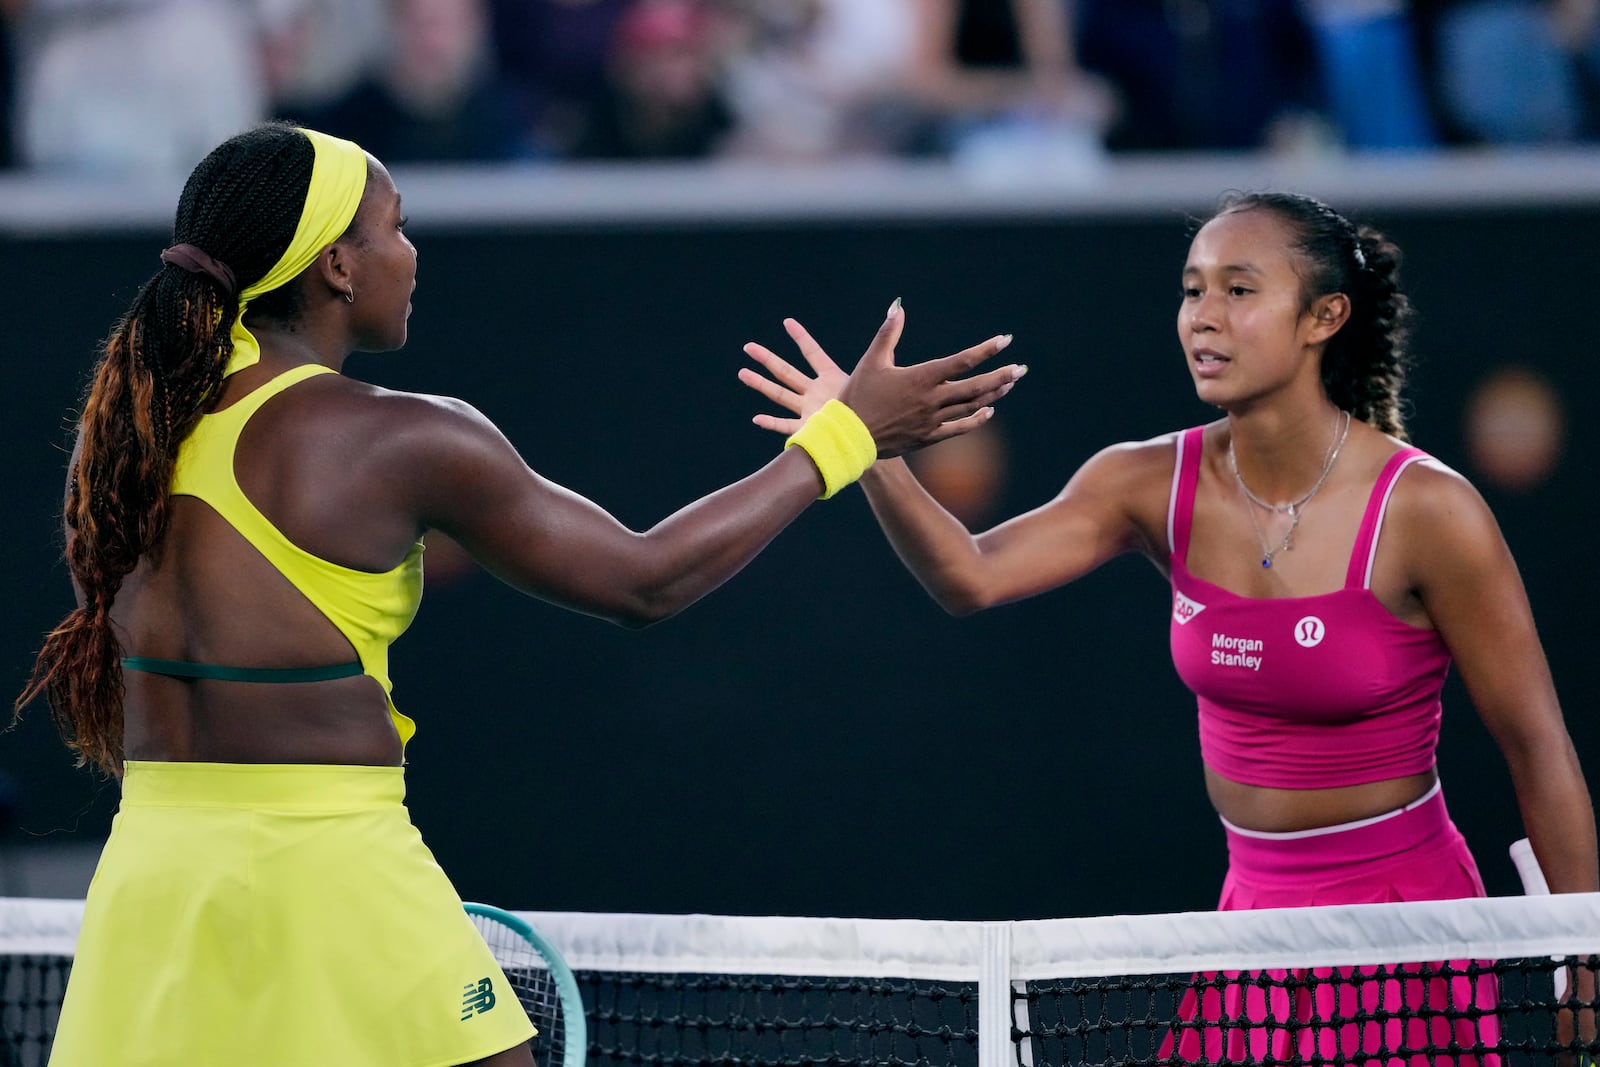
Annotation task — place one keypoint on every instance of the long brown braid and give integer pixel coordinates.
(157, 373)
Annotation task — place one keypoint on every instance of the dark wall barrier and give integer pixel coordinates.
(817, 737)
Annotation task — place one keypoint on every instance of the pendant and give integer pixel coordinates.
(1266, 561)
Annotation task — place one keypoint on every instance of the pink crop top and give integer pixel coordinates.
(1304, 692)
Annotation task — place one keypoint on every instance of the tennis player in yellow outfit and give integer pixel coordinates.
(244, 529)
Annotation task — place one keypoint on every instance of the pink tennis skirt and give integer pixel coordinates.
(1412, 853)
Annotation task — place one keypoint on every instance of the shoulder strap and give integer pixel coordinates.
(1359, 574)
(204, 467)
(239, 412)
(1180, 505)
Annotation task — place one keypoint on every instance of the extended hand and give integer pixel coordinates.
(789, 387)
(904, 407)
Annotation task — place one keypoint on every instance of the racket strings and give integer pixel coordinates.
(535, 987)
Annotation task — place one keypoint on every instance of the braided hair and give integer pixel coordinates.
(1364, 364)
(158, 370)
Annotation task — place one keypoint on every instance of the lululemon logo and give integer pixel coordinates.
(1309, 632)
(1184, 609)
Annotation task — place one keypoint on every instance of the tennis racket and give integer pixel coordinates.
(543, 982)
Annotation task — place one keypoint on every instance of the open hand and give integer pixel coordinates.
(905, 408)
(789, 387)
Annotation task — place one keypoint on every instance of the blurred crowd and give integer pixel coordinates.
(123, 86)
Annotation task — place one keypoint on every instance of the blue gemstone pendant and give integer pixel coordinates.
(1266, 561)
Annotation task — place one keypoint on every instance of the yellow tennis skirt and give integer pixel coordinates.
(276, 916)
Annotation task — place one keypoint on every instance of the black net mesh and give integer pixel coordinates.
(1466, 1012)
(30, 1002)
(773, 1021)
(1504, 1008)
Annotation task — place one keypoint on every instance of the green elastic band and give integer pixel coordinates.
(839, 443)
(176, 668)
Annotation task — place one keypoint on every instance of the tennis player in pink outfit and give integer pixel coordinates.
(1325, 576)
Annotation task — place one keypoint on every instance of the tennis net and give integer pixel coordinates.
(1499, 981)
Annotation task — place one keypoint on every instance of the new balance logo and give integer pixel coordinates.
(1184, 609)
(476, 998)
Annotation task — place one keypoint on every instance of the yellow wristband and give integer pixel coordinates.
(839, 443)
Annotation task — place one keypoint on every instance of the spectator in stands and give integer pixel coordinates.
(1000, 68)
(1515, 72)
(1196, 76)
(10, 12)
(663, 97)
(436, 96)
(1373, 85)
(554, 52)
(314, 51)
(121, 88)
(813, 79)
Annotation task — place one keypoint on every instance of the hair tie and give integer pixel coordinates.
(196, 261)
(1361, 257)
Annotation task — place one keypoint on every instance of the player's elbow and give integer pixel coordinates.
(649, 603)
(643, 613)
(959, 609)
(960, 598)
(963, 604)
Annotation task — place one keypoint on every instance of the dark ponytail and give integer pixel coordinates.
(158, 371)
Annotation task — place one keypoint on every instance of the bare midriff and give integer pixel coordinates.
(1254, 807)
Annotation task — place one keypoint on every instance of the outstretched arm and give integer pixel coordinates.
(1110, 506)
(1107, 508)
(552, 543)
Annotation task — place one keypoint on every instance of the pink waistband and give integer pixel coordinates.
(1332, 849)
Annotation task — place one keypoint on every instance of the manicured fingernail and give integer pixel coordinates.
(894, 306)
(1000, 345)
(1022, 368)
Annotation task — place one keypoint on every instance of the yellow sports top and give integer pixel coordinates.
(371, 609)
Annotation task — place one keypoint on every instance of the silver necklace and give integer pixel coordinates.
(1292, 509)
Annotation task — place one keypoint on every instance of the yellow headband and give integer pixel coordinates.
(338, 178)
